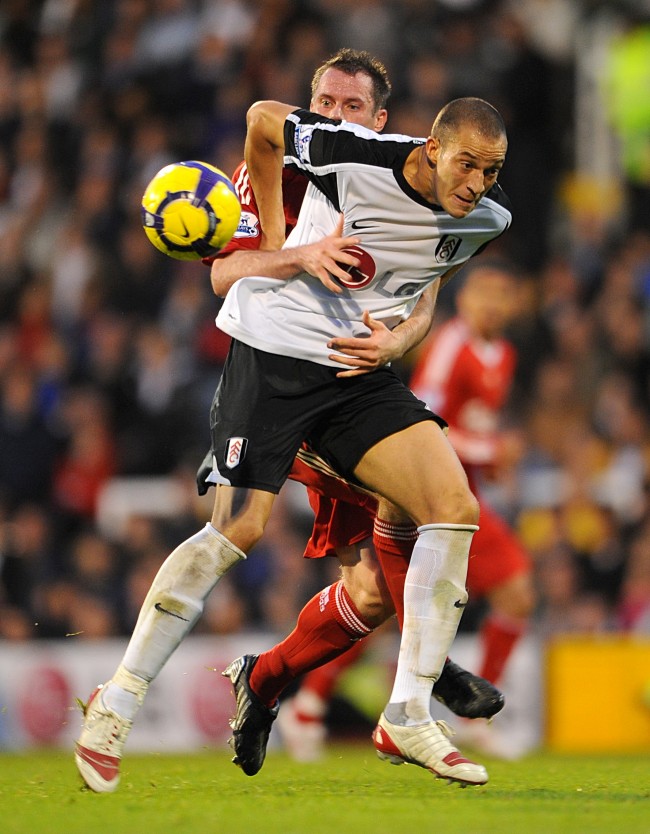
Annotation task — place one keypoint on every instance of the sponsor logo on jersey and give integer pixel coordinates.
(249, 225)
(302, 139)
(362, 275)
(235, 451)
(447, 248)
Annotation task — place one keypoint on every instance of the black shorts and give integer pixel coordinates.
(266, 405)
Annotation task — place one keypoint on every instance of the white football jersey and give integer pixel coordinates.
(406, 243)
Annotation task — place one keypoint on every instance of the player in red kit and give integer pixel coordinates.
(465, 373)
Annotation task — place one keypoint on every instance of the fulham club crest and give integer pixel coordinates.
(447, 248)
(235, 451)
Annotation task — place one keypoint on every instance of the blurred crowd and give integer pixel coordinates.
(109, 355)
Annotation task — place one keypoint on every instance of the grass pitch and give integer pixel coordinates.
(349, 792)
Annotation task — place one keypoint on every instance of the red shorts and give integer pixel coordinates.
(343, 515)
(496, 554)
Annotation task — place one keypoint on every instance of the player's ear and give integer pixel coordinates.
(432, 149)
(380, 120)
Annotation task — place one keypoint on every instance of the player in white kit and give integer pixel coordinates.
(415, 210)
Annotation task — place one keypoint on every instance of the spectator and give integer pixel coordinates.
(28, 446)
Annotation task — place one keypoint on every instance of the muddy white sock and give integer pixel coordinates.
(434, 598)
(172, 606)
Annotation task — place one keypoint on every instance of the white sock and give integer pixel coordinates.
(171, 608)
(119, 700)
(434, 598)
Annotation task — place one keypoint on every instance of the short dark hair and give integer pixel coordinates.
(351, 62)
(462, 111)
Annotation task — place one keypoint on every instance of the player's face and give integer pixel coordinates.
(465, 167)
(488, 302)
(348, 97)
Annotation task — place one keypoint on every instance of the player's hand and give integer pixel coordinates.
(366, 354)
(323, 258)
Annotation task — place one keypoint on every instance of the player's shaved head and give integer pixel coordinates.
(464, 112)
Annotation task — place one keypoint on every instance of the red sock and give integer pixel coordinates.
(327, 626)
(394, 545)
(499, 634)
(322, 680)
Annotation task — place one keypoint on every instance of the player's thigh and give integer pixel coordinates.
(418, 470)
(241, 514)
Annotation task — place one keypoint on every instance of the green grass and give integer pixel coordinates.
(350, 792)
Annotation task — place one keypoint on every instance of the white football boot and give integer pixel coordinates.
(99, 748)
(426, 745)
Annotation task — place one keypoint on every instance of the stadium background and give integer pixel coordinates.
(109, 355)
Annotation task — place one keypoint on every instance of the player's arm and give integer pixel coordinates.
(382, 345)
(264, 155)
(320, 259)
(412, 330)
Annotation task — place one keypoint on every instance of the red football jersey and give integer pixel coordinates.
(248, 234)
(466, 380)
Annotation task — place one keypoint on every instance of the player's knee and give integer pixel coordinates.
(370, 603)
(245, 533)
(241, 515)
(471, 509)
(460, 507)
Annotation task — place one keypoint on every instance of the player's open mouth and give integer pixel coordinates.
(464, 201)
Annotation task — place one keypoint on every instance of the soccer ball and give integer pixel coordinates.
(190, 210)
